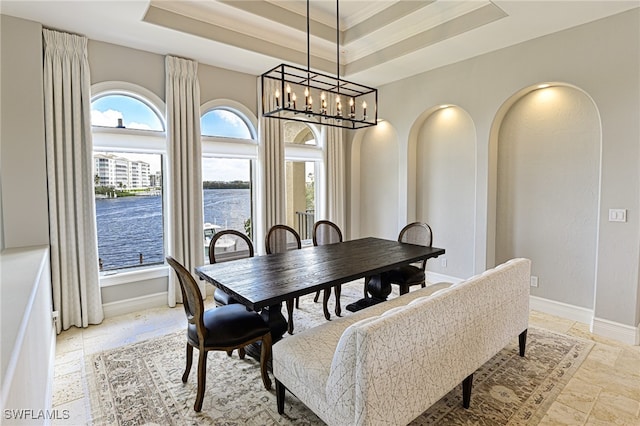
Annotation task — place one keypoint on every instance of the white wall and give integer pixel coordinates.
(601, 60)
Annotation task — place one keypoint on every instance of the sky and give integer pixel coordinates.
(135, 114)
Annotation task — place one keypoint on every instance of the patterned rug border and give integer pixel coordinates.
(579, 355)
(530, 412)
(96, 392)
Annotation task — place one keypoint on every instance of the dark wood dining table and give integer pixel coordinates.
(262, 283)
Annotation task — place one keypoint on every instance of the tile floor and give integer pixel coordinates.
(604, 391)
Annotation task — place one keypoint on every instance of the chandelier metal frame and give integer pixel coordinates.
(331, 91)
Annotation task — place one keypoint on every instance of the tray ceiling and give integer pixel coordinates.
(380, 40)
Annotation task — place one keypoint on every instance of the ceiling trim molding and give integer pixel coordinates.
(284, 17)
(381, 19)
(467, 22)
(188, 25)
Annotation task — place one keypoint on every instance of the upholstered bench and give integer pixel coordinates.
(388, 363)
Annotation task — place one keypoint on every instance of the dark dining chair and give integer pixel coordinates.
(327, 232)
(223, 328)
(224, 246)
(405, 276)
(280, 239)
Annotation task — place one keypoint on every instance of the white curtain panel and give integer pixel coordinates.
(272, 199)
(335, 173)
(72, 222)
(186, 243)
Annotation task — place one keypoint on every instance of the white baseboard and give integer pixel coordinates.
(614, 330)
(611, 330)
(564, 310)
(434, 277)
(135, 304)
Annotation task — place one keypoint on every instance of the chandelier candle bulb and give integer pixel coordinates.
(294, 100)
(277, 94)
(289, 95)
(364, 108)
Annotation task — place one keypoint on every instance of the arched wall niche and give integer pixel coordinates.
(544, 188)
(442, 185)
(375, 182)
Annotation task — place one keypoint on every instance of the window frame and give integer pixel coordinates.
(310, 153)
(110, 139)
(234, 148)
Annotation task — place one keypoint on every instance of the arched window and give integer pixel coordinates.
(124, 111)
(225, 123)
(129, 146)
(229, 152)
(303, 160)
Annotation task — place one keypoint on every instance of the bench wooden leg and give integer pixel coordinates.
(280, 388)
(466, 391)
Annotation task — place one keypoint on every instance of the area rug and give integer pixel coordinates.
(141, 384)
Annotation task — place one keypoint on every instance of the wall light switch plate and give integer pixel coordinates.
(534, 281)
(617, 215)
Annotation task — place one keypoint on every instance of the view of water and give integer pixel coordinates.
(130, 226)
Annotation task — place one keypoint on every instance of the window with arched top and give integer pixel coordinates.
(299, 134)
(125, 111)
(229, 152)
(225, 123)
(303, 161)
(129, 140)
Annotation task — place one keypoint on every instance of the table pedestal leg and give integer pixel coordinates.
(278, 325)
(379, 287)
(276, 321)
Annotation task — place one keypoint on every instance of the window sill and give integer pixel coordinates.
(125, 277)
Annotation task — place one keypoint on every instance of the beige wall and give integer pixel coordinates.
(600, 60)
(547, 191)
(375, 183)
(445, 195)
(218, 83)
(107, 63)
(22, 170)
(24, 214)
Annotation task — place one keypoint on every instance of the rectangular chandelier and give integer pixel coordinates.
(293, 93)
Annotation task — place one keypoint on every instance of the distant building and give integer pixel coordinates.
(119, 172)
(155, 180)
